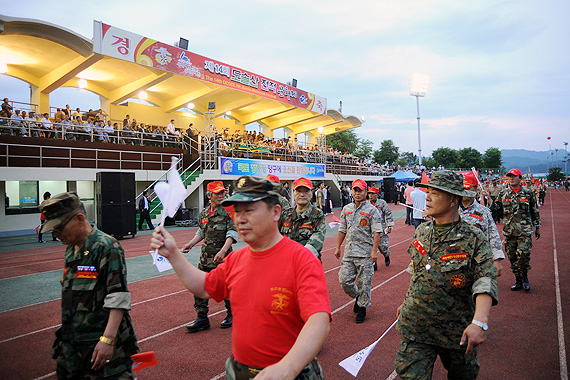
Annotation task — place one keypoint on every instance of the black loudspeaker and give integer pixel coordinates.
(115, 200)
(389, 191)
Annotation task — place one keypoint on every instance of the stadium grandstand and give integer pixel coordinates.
(194, 108)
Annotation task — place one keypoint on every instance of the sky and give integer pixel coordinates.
(499, 71)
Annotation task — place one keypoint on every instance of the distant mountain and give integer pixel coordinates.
(532, 161)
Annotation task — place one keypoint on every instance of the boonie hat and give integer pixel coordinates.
(302, 182)
(60, 208)
(514, 171)
(272, 178)
(374, 190)
(250, 189)
(215, 187)
(448, 181)
(360, 184)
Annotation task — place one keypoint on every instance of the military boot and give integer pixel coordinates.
(201, 323)
(355, 308)
(525, 283)
(361, 316)
(227, 322)
(518, 285)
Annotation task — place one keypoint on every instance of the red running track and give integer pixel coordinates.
(523, 341)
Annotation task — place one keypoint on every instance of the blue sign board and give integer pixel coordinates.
(261, 168)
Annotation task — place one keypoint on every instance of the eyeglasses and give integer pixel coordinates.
(62, 226)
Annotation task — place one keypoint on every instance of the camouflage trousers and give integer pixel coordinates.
(76, 364)
(518, 251)
(415, 361)
(384, 245)
(355, 277)
(201, 304)
(237, 371)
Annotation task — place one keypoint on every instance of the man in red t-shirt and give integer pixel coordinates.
(277, 288)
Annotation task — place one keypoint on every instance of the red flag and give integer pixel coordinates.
(335, 219)
(231, 211)
(425, 180)
(143, 360)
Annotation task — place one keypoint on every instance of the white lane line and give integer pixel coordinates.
(561, 344)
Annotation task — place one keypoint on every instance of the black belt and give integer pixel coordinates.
(242, 369)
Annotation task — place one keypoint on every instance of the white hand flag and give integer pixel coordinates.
(354, 363)
(171, 195)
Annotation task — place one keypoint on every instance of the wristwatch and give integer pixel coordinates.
(484, 326)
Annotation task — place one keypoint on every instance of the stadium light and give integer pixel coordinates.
(82, 83)
(418, 88)
(143, 95)
(190, 105)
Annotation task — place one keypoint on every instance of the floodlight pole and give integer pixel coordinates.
(419, 134)
(565, 155)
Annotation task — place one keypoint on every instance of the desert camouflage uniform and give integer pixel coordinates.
(214, 229)
(307, 228)
(520, 216)
(359, 224)
(440, 303)
(94, 281)
(479, 216)
(387, 221)
(494, 192)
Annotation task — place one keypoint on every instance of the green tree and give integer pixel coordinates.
(387, 152)
(345, 141)
(429, 162)
(468, 158)
(492, 158)
(364, 149)
(555, 174)
(445, 156)
(407, 159)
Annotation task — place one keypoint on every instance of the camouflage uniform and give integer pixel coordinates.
(238, 371)
(494, 191)
(440, 303)
(520, 216)
(214, 229)
(359, 224)
(285, 207)
(94, 281)
(387, 221)
(479, 216)
(307, 228)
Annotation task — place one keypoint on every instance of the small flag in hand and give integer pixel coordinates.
(143, 360)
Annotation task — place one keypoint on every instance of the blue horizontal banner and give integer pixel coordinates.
(261, 168)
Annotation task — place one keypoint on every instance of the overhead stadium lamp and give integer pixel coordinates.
(190, 105)
(228, 113)
(321, 129)
(3, 68)
(143, 95)
(418, 88)
(82, 83)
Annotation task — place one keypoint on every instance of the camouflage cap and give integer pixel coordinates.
(250, 189)
(448, 181)
(59, 209)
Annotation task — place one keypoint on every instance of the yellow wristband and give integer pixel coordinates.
(110, 342)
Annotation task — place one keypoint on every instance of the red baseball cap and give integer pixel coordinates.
(514, 171)
(469, 180)
(272, 178)
(302, 182)
(374, 190)
(215, 187)
(360, 184)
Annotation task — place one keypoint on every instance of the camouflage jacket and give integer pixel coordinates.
(94, 281)
(359, 224)
(440, 303)
(519, 211)
(494, 190)
(479, 216)
(307, 228)
(385, 213)
(214, 229)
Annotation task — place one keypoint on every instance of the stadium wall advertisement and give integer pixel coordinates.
(118, 43)
(261, 168)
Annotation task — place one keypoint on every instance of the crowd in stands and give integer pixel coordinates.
(96, 126)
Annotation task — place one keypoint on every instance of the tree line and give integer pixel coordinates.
(348, 141)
